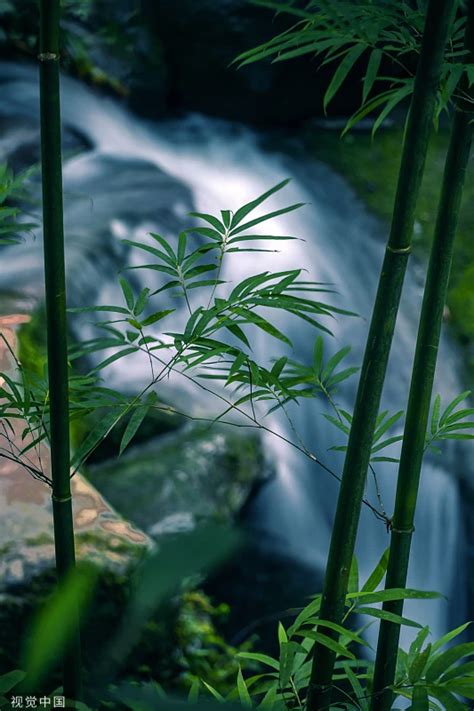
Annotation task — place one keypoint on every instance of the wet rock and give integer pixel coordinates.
(20, 145)
(27, 560)
(170, 483)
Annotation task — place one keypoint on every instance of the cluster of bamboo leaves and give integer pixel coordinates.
(11, 191)
(384, 36)
(215, 345)
(437, 672)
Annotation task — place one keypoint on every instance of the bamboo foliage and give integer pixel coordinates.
(423, 374)
(56, 317)
(438, 20)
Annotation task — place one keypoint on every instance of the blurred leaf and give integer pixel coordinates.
(53, 626)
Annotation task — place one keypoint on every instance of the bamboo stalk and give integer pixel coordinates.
(421, 388)
(53, 234)
(438, 19)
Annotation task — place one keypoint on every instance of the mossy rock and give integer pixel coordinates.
(194, 474)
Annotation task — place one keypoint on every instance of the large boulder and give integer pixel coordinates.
(183, 478)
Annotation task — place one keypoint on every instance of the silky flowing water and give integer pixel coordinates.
(132, 176)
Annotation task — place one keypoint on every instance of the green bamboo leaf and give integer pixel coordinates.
(399, 95)
(171, 271)
(213, 691)
(447, 699)
(463, 687)
(141, 301)
(238, 333)
(329, 643)
(213, 221)
(128, 293)
(158, 316)
(112, 309)
(182, 239)
(460, 415)
(385, 615)
(342, 71)
(226, 217)
(244, 695)
(250, 206)
(445, 639)
(334, 361)
(55, 623)
(418, 665)
(282, 636)
(288, 652)
(394, 594)
(318, 355)
(10, 680)
(442, 662)
(201, 269)
(133, 425)
(371, 73)
(151, 250)
(164, 243)
(435, 415)
(116, 356)
(193, 694)
(337, 423)
(386, 443)
(265, 325)
(461, 670)
(262, 658)
(265, 218)
(94, 437)
(309, 611)
(419, 699)
(343, 631)
(384, 426)
(353, 585)
(378, 574)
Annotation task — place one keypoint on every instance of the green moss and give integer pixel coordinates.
(371, 167)
(32, 349)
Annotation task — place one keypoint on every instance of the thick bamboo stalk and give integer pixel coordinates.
(438, 19)
(56, 318)
(421, 388)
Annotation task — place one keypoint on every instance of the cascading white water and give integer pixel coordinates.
(136, 176)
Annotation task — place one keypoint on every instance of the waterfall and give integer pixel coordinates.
(132, 175)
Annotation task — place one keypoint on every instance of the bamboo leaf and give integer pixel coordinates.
(244, 695)
(371, 73)
(132, 427)
(250, 206)
(262, 658)
(378, 574)
(385, 615)
(128, 293)
(342, 71)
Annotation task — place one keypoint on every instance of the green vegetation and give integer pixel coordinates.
(321, 662)
(371, 167)
(414, 437)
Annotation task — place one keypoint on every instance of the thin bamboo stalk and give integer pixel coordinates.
(421, 388)
(56, 318)
(438, 19)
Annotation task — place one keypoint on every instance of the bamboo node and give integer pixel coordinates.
(62, 499)
(401, 250)
(48, 57)
(408, 531)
